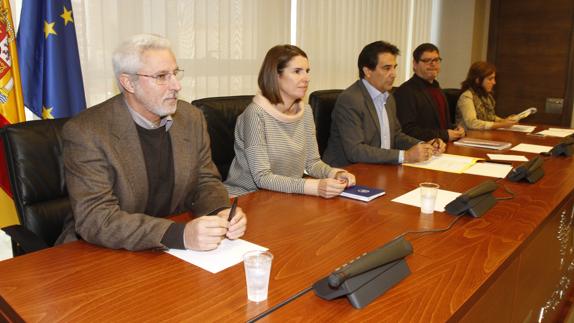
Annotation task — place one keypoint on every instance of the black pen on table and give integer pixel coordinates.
(232, 211)
(494, 161)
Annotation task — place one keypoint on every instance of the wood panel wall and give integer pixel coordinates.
(532, 45)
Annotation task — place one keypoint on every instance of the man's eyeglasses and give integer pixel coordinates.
(164, 78)
(431, 60)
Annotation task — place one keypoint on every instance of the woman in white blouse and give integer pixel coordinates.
(275, 142)
(475, 107)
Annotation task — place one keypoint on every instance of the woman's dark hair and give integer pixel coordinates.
(477, 72)
(274, 63)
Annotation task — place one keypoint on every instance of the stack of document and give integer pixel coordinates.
(525, 113)
(482, 143)
(463, 164)
(519, 128)
(446, 163)
(556, 132)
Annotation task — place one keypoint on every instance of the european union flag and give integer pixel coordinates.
(50, 64)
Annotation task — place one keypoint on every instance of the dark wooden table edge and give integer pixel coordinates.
(7, 313)
(462, 310)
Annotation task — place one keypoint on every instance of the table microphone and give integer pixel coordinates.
(562, 149)
(390, 252)
(525, 169)
(478, 190)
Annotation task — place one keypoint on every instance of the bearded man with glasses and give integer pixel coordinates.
(422, 107)
(142, 156)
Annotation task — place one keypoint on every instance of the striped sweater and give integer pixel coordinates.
(273, 149)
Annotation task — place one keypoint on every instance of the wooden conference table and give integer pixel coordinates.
(505, 266)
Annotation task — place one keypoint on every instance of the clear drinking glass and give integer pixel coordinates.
(257, 270)
(428, 197)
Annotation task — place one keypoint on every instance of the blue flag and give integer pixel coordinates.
(49, 60)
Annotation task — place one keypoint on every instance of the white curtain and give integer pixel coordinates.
(333, 32)
(219, 43)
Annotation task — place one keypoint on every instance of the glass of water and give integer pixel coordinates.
(257, 270)
(428, 197)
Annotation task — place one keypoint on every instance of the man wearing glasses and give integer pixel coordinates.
(142, 156)
(422, 107)
(364, 126)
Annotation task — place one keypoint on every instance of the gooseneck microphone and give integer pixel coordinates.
(390, 252)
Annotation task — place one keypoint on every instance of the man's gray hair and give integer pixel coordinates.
(127, 58)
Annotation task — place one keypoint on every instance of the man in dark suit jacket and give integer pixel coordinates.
(364, 127)
(422, 107)
(141, 156)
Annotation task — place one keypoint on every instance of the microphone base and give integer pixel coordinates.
(535, 175)
(479, 205)
(475, 207)
(362, 289)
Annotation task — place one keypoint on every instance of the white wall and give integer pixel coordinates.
(462, 38)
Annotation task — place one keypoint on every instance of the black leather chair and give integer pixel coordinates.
(221, 114)
(452, 96)
(34, 157)
(322, 103)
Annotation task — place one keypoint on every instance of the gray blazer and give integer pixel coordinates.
(356, 134)
(107, 180)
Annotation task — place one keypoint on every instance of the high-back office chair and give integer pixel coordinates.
(322, 103)
(221, 114)
(34, 156)
(452, 96)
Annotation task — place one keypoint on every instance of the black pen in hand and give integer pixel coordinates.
(435, 145)
(232, 211)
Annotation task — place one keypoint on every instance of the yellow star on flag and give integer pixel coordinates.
(49, 29)
(67, 16)
(47, 113)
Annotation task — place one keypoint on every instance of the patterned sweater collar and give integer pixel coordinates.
(273, 110)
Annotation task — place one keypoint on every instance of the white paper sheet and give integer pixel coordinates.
(229, 253)
(556, 132)
(519, 128)
(528, 148)
(507, 157)
(413, 198)
(446, 163)
(5, 246)
(489, 169)
(562, 129)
